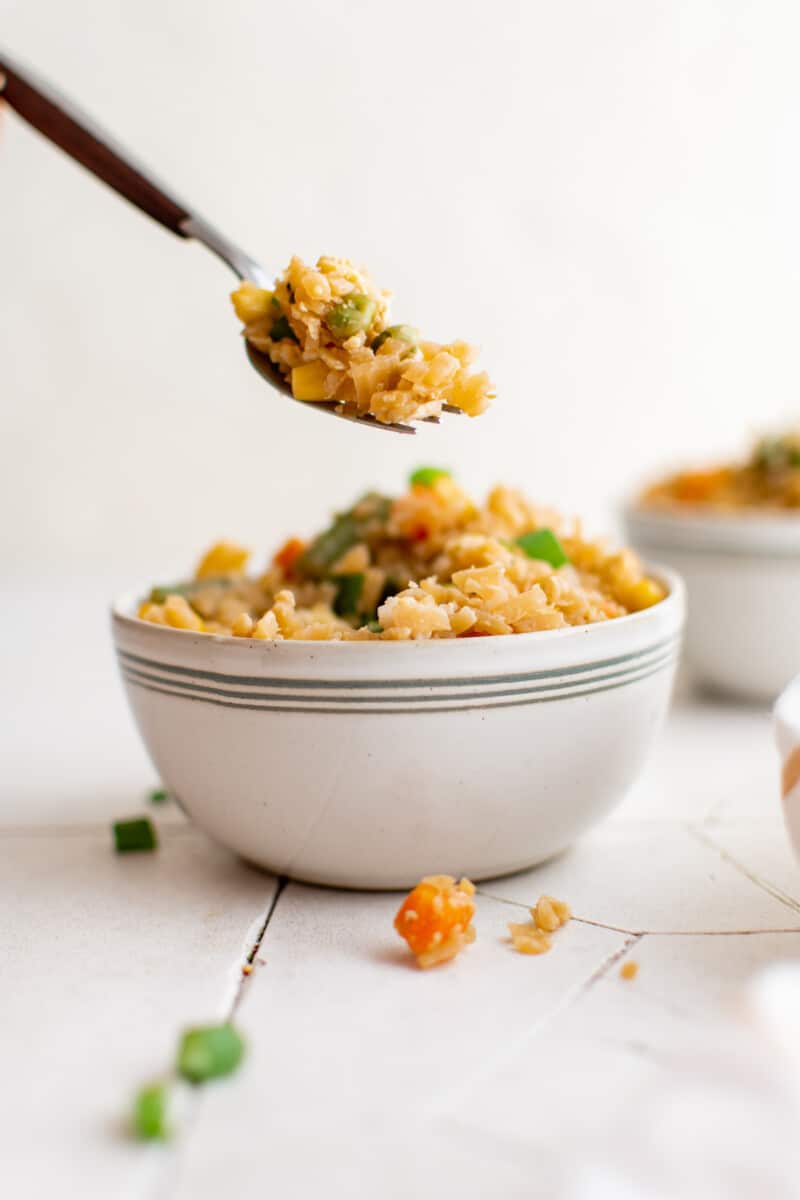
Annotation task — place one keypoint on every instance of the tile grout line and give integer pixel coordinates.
(572, 996)
(649, 932)
(608, 963)
(702, 835)
(246, 976)
(169, 1177)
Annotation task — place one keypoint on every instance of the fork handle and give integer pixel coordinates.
(65, 125)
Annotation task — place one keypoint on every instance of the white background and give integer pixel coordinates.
(604, 195)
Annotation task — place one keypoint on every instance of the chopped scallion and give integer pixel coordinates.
(134, 835)
(160, 593)
(427, 476)
(400, 333)
(159, 796)
(208, 1052)
(149, 1117)
(543, 545)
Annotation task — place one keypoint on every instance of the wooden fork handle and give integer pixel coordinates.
(60, 121)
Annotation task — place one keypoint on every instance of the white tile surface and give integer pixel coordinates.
(496, 1076)
(351, 1041)
(103, 959)
(642, 877)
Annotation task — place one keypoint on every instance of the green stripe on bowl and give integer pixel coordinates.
(186, 687)
(394, 684)
(347, 706)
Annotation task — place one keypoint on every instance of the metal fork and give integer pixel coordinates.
(79, 137)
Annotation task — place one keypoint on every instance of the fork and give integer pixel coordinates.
(77, 135)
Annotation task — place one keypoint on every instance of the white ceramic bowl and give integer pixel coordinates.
(371, 764)
(742, 575)
(787, 734)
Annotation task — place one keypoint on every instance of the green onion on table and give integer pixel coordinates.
(135, 835)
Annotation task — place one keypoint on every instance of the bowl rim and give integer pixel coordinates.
(673, 605)
(748, 534)
(680, 511)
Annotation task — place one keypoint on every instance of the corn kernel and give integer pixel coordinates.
(308, 381)
(644, 594)
(180, 615)
(224, 558)
(154, 613)
(251, 302)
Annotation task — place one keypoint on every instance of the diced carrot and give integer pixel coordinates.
(699, 485)
(288, 554)
(436, 918)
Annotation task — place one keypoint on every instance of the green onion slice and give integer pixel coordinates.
(401, 333)
(543, 545)
(160, 592)
(149, 1116)
(159, 796)
(208, 1052)
(427, 476)
(134, 835)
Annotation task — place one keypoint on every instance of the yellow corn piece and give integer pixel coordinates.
(643, 594)
(223, 558)
(180, 615)
(251, 302)
(154, 613)
(308, 381)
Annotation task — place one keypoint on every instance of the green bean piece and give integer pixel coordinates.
(135, 835)
(402, 333)
(543, 545)
(323, 552)
(348, 594)
(350, 316)
(149, 1116)
(208, 1052)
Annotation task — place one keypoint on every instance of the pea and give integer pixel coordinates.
(403, 333)
(350, 316)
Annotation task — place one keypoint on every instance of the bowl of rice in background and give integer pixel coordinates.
(428, 685)
(733, 533)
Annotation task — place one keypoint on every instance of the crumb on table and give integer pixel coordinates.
(629, 969)
(547, 915)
